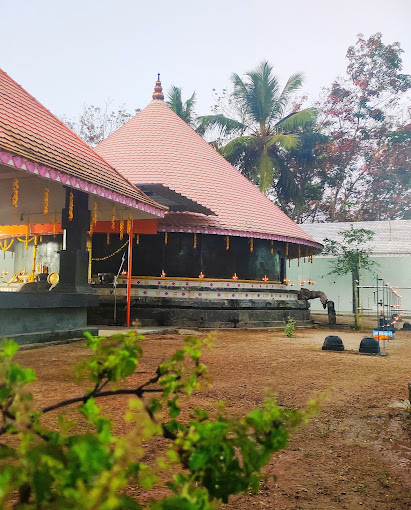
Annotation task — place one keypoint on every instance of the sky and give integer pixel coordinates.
(67, 53)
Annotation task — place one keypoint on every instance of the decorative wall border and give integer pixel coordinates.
(199, 294)
(70, 180)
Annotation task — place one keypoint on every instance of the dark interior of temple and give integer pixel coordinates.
(177, 256)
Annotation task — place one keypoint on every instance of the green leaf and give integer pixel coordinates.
(6, 452)
(197, 459)
(41, 484)
(8, 348)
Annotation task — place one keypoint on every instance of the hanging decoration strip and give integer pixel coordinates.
(33, 268)
(128, 225)
(299, 254)
(46, 201)
(121, 229)
(113, 218)
(26, 240)
(195, 241)
(4, 246)
(227, 242)
(108, 238)
(251, 244)
(15, 196)
(71, 206)
(165, 238)
(272, 247)
(138, 239)
(111, 254)
(93, 218)
(286, 250)
(54, 228)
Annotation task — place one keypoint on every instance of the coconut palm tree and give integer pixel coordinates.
(185, 109)
(265, 131)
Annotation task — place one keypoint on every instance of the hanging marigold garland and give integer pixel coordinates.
(46, 201)
(121, 229)
(272, 247)
(286, 250)
(128, 225)
(165, 238)
(54, 228)
(227, 242)
(15, 196)
(311, 259)
(251, 244)
(93, 221)
(111, 254)
(4, 246)
(299, 255)
(71, 206)
(113, 218)
(94, 214)
(195, 241)
(138, 239)
(33, 268)
(27, 238)
(108, 238)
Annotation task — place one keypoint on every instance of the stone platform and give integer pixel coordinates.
(195, 302)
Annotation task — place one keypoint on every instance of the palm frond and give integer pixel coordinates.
(287, 142)
(265, 167)
(297, 120)
(294, 82)
(286, 185)
(224, 125)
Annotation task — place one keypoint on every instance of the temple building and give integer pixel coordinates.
(51, 182)
(220, 254)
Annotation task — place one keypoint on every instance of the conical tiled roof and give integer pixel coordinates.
(157, 146)
(32, 133)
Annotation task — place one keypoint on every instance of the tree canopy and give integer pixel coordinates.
(266, 128)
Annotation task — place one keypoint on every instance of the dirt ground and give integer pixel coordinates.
(355, 452)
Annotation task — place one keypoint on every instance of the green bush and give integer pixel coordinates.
(289, 327)
(211, 457)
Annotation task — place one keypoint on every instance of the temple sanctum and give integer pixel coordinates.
(219, 256)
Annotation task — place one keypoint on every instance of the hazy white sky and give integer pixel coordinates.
(66, 53)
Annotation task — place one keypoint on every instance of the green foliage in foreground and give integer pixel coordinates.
(206, 457)
(289, 327)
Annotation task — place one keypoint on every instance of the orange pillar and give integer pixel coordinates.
(130, 265)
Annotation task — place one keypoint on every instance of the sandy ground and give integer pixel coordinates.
(355, 452)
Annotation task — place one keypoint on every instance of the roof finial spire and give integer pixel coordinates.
(158, 89)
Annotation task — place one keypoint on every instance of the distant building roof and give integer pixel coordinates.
(32, 133)
(157, 146)
(391, 238)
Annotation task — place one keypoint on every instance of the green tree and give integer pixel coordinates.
(352, 256)
(185, 109)
(209, 456)
(365, 158)
(263, 127)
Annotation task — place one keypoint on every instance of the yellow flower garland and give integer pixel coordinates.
(71, 206)
(46, 201)
(15, 196)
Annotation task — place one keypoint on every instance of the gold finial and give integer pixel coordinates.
(158, 90)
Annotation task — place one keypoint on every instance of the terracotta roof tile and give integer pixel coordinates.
(157, 146)
(29, 130)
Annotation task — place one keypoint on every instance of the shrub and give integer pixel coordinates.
(289, 327)
(211, 456)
